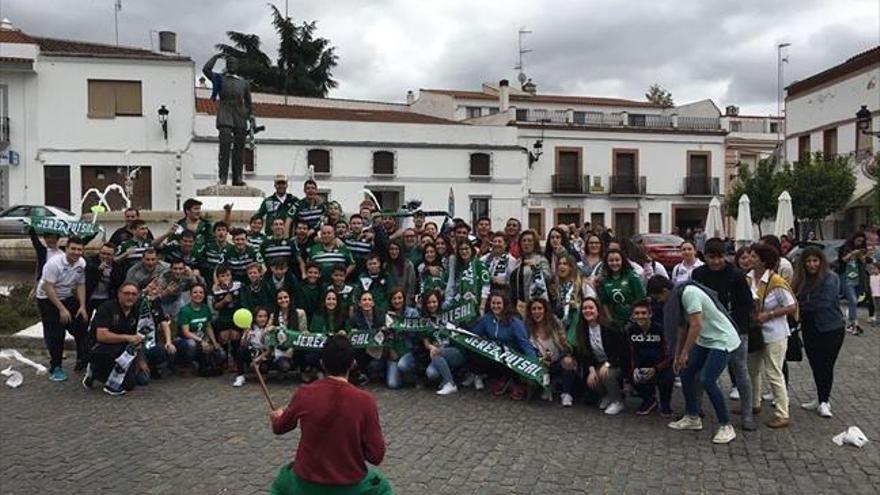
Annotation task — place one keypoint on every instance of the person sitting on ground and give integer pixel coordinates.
(547, 336)
(366, 317)
(706, 335)
(603, 355)
(650, 363)
(197, 340)
(285, 319)
(501, 324)
(340, 432)
(254, 347)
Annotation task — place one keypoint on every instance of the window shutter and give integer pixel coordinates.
(102, 100)
(128, 97)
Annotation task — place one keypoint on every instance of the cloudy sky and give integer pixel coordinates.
(719, 49)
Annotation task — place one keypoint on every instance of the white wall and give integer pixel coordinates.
(833, 103)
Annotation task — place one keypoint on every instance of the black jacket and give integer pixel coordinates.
(117, 276)
(733, 291)
(613, 342)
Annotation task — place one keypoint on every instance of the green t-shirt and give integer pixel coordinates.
(327, 259)
(717, 331)
(198, 319)
(309, 297)
(272, 207)
(619, 294)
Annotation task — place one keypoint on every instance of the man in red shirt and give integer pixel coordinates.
(340, 432)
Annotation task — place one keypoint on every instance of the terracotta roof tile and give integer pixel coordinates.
(14, 36)
(16, 60)
(52, 46)
(278, 111)
(539, 98)
(853, 64)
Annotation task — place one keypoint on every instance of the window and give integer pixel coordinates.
(655, 223)
(247, 158)
(474, 112)
(324, 194)
(625, 163)
(479, 208)
(568, 162)
(566, 216)
(803, 145)
(388, 198)
(493, 110)
(829, 143)
(597, 219)
(637, 120)
(698, 164)
(522, 114)
(108, 99)
(56, 185)
(863, 140)
(774, 127)
(383, 163)
(536, 221)
(481, 165)
(580, 117)
(320, 159)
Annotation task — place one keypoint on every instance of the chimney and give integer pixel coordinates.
(504, 95)
(731, 111)
(203, 83)
(167, 42)
(410, 97)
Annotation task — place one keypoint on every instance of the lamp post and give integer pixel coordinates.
(538, 147)
(863, 122)
(163, 120)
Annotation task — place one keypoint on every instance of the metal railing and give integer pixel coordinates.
(632, 185)
(618, 119)
(699, 123)
(696, 185)
(570, 184)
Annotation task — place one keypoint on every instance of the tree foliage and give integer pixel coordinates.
(656, 94)
(820, 186)
(763, 185)
(304, 65)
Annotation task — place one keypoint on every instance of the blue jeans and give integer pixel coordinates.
(708, 364)
(852, 299)
(440, 367)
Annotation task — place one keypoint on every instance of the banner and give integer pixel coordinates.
(66, 228)
(458, 314)
(524, 366)
(315, 341)
(410, 213)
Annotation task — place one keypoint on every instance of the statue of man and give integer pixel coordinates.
(234, 111)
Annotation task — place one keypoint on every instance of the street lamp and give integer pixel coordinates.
(163, 120)
(538, 147)
(863, 122)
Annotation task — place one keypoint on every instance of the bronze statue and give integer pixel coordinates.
(235, 116)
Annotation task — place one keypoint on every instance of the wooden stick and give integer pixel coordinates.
(263, 386)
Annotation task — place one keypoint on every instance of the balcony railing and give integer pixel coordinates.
(570, 184)
(618, 119)
(701, 186)
(4, 132)
(631, 185)
(699, 123)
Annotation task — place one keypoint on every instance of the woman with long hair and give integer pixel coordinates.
(689, 261)
(469, 280)
(557, 245)
(432, 353)
(531, 277)
(401, 272)
(330, 317)
(594, 253)
(367, 318)
(567, 289)
(822, 324)
(602, 354)
(502, 324)
(285, 318)
(851, 267)
(443, 250)
(743, 259)
(547, 336)
(774, 303)
(499, 262)
(431, 274)
(619, 286)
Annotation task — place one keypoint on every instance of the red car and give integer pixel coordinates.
(663, 248)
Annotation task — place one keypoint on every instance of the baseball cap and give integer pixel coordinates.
(280, 178)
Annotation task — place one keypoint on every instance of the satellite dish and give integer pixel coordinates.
(522, 77)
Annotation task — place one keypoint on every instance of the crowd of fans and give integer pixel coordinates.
(605, 319)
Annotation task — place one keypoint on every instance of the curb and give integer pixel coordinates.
(30, 343)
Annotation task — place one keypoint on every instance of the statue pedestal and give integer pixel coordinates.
(241, 197)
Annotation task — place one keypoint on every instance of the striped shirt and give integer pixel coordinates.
(138, 251)
(274, 207)
(238, 261)
(327, 259)
(214, 255)
(278, 248)
(359, 248)
(305, 211)
(256, 239)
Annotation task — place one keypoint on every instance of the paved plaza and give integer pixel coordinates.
(201, 436)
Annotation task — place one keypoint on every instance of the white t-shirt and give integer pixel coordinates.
(64, 275)
(682, 272)
(596, 343)
(777, 329)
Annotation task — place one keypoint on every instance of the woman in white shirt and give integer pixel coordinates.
(774, 302)
(682, 271)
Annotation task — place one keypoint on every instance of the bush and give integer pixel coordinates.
(18, 310)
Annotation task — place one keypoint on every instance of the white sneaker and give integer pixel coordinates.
(447, 388)
(734, 394)
(567, 400)
(239, 381)
(478, 383)
(810, 406)
(614, 408)
(767, 396)
(824, 410)
(725, 434)
(687, 423)
(678, 382)
(604, 403)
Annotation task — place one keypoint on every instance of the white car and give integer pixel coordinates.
(14, 220)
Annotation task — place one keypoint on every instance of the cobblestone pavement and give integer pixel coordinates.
(201, 436)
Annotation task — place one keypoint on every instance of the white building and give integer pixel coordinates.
(630, 165)
(820, 116)
(396, 153)
(83, 115)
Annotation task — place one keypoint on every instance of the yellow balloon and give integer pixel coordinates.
(242, 318)
(98, 209)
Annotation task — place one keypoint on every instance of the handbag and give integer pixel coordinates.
(795, 350)
(756, 338)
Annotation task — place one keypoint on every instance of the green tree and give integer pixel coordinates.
(305, 62)
(763, 185)
(656, 94)
(820, 186)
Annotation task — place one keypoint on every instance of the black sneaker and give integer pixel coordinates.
(666, 410)
(88, 378)
(114, 391)
(80, 365)
(648, 406)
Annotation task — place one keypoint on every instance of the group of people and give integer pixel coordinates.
(604, 319)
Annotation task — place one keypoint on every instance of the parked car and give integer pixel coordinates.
(13, 220)
(663, 248)
(829, 247)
